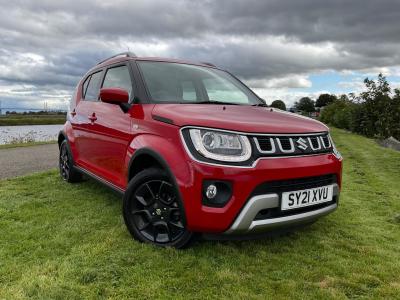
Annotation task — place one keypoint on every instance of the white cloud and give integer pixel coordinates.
(290, 81)
(46, 46)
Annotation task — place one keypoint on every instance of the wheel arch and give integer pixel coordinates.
(145, 158)
(61, 137)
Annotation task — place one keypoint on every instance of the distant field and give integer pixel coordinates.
(13, 120)
(68, 241)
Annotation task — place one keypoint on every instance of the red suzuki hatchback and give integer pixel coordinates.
(193, 150)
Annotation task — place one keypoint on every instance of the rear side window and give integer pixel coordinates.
(84, 87)
(92, 90)
(118, 77)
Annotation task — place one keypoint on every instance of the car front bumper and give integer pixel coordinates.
(246, 222)
(251, 189)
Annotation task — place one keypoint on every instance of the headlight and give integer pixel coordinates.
(219, 145)
(335, 151)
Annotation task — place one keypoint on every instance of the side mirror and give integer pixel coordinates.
(114, 95)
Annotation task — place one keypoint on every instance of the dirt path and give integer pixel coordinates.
(25, 160)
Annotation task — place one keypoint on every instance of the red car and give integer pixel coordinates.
(193, 150)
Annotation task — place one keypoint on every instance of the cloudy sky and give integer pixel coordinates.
(282, 49)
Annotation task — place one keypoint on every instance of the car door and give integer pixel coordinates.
(82, 120)
(111, 130)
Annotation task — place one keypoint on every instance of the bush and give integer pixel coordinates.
(374, 113)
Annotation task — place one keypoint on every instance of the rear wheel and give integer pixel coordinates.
(153, 211)
(67, 171)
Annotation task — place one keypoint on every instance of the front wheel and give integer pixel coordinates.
(66, 166)
(153, 211)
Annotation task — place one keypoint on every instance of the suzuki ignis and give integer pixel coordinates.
(193, 150)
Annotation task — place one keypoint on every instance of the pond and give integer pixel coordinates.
(30, 133)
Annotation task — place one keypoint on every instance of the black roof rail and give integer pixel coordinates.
(208, 64)
(126, 54)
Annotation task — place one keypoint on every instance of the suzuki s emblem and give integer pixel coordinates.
(301, 143)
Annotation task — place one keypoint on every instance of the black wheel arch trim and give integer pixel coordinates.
(65, 137)
(158, 157)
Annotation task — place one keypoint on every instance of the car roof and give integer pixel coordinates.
(114, 60)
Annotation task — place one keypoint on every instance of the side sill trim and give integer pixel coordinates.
(101, 180)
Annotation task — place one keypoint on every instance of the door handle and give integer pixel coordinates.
(92, 118)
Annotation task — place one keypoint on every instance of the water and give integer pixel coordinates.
(30, 133)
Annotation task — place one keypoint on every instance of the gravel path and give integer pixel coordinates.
(25, 160)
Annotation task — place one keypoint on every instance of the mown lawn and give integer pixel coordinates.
(69, 241)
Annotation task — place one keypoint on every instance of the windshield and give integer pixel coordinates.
(181, 83)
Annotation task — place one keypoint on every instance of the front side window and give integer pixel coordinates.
(93, 88)
(118, 77)
(182, 83)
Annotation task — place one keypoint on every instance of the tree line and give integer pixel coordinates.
(373, 113)
(306, 104)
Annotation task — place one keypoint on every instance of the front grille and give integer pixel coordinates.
(296, 184)
(292, 145)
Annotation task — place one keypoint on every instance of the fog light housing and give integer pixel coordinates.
(216, 193)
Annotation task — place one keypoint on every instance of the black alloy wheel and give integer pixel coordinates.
(67, 171)
(153, 211)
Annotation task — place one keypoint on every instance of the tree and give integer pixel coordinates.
(374, 113)
(278, 104)
(305, 104)
(340, 113)
(324, 100)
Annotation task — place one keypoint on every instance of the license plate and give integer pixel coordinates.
(308, 197)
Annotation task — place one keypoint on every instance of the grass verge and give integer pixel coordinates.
(69, 241)
(28, 144)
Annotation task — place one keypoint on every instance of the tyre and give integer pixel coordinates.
(66, 166)
(153, 211)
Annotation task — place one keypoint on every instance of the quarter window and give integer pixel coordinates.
(92, 91)
(188, 91)
(118, 77)
(84, 87)
(219, 89)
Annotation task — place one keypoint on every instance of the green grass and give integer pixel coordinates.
(28, 144)
(13, 120)
(62, 241)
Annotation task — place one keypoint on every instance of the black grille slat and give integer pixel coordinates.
(265, 144)
(285, 143)
(326, 140)
(314, 142)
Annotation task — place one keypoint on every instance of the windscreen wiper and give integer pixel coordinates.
(212, 102)
(260, 105)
